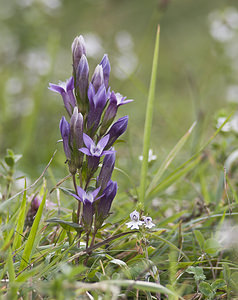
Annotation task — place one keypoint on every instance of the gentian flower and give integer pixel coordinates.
(115, 100)
(65, 131)
(76, 137)
(105, 203)
(117, 129)
(81, 85)
(148, 222)
(106, 170)
(88, 200)
(97, 78)
(106, 69)
(135, 220)
(78, 49)
(66, 91)
(97, 102)
(93, 151)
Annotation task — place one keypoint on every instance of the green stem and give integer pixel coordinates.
(148, 121)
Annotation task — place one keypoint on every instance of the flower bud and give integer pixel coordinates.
(105, 203)
(82, 80)
(65, 132)
(76, 137)
(117, 129)
(106, 171)
(106, 69)
(97, 78)
(78, 49)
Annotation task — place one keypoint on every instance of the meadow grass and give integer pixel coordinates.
(189, 254)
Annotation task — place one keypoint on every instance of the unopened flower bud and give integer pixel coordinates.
(82, 73)
(97, 78)
(117, 129)
(78, 49)
(106, 170)
(106, 69)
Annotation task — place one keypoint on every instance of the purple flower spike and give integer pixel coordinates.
(97, 78)
(78, 49)
(66, 91)
(82, 74)
(106, 170)
(106, 69)
(117, 129)
(105, 202)
(97, 102)
(65, 132)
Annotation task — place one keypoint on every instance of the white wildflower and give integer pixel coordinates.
(135, 220)
(148, 222)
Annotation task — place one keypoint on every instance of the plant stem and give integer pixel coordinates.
(148, 121)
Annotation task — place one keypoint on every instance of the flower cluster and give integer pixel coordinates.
(90, 134)
(136, 222)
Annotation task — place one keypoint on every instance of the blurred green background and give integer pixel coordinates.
(197, 73)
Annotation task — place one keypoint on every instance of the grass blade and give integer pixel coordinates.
(26, 256)
(148, 121)
(170, 158)
(20, 223)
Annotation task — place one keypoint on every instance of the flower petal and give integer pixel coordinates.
(103, 142)
(88, 141)
(85, 151)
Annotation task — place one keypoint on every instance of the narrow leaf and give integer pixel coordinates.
(26, 256)
(148, 120)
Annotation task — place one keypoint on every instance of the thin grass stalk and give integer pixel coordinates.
(148, 121)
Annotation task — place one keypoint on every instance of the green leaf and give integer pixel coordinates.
(197, 272)
(206, 289)
(12, 276)
(67, 191)
(9, 161)
(218, 284)
(118, 262)
(164, 166)
(148, 121)
(20, 223)
(174, 176)
(199, 238)
(26, 256)
(68, 226)
(211, 246)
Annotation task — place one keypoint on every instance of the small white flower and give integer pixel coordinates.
(135, 220)
(148, 222)
(151, 156)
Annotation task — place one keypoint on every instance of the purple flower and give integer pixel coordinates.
(105, 203)
(93, 151)
(97, 78)
(97, 102)
(65, 132)
(78, 49)
(106, 69)
(106, 170)
(88, 199)
(82, 74)
(117, 129)
(115, 100)
(66, 91)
